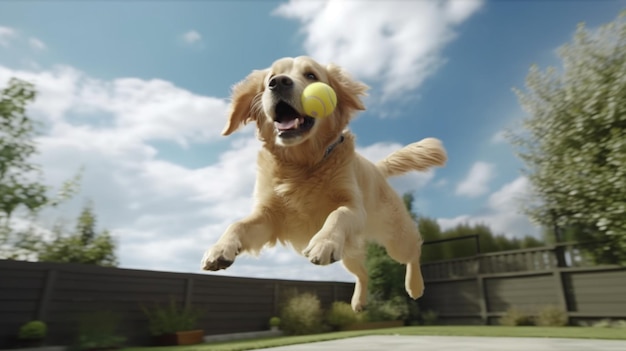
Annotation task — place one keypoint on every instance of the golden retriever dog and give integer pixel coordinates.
(313, 190)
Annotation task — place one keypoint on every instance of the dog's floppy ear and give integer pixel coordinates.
(244, 95)
(348, 90)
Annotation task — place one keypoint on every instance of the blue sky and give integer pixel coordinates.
(137, 92)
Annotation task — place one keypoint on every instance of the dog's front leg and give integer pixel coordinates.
(248, 234)
(326, 246)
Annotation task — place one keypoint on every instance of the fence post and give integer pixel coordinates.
(188, 292)
(558, 278)
(276, 297)
(48, 288)
(480, 285)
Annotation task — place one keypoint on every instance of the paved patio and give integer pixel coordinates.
(454, 343)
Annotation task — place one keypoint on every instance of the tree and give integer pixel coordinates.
(430, 231)
(84, 245)
(18, 176)
(573, 141)
(22, 193)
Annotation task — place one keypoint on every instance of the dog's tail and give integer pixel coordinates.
(419, 156)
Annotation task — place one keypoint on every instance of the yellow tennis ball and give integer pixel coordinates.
(319, 100)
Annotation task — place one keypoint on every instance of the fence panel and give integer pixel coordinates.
(68, 295)
(528, 279)
(595, 293)
(525, 292)
(452, 299)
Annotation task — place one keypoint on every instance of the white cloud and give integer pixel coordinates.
(191, 37)
(37, 44)
(7, 35)
(397, 42)
(498, 137)
(163, 214)
(502, 212)
(476, 182)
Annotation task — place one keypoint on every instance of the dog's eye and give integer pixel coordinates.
(310, 76)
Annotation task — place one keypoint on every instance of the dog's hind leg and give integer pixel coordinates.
(403, 243)
(354, 261)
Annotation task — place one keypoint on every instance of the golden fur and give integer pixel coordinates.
(326, 206)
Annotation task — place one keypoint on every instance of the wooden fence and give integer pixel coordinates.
(479, 289)
(474, 290)
(61, 293)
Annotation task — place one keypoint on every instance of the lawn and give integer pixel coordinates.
(496, 331)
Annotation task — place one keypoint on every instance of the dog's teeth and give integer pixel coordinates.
(297, 123)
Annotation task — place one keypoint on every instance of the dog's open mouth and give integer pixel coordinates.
(289, 123)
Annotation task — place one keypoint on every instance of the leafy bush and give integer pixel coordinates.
(302, 314)
(430, 317)
(414, 315)
(274, 322)
(98, 330)
(341, 315)
(171, 318)
(394, 309)
(552, 316)
(33, 330)
(100, 341)
(516, 317)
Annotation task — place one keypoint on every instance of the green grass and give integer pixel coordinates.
(495, 331)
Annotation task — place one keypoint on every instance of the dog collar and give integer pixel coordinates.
(333, 146)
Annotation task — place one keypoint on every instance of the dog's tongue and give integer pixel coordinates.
(289, 124)
(286, 124)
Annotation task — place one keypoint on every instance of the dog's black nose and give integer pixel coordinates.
(280, 83)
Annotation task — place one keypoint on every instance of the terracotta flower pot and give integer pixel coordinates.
(188, 337)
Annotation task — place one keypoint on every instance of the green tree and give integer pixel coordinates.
(84, 245)
(19, 184)
(431, 231)
(22, 193)
(573, 141)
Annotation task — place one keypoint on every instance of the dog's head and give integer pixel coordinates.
(271, 98)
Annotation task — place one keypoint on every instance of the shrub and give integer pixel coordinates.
(341, 315)
(98, 330)
(302, 314)
(430, 317)
(274, 322)
(414, 315)
(394, 309)
(552, 316)
(171, 318)
(33, 330)
(516, 317)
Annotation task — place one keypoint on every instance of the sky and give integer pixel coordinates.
(136, 93)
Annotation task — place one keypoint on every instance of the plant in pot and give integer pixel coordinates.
(173, 324)
(31, 334)
(274, 323)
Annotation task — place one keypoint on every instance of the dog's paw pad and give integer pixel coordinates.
(216, 265)
(323, 252)
(219, 257)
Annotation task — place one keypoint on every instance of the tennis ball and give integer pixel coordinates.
(319, 100)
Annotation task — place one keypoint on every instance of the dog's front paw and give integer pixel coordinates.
(220, 256)
(323, 251)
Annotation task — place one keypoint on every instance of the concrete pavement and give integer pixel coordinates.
(454, 343)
